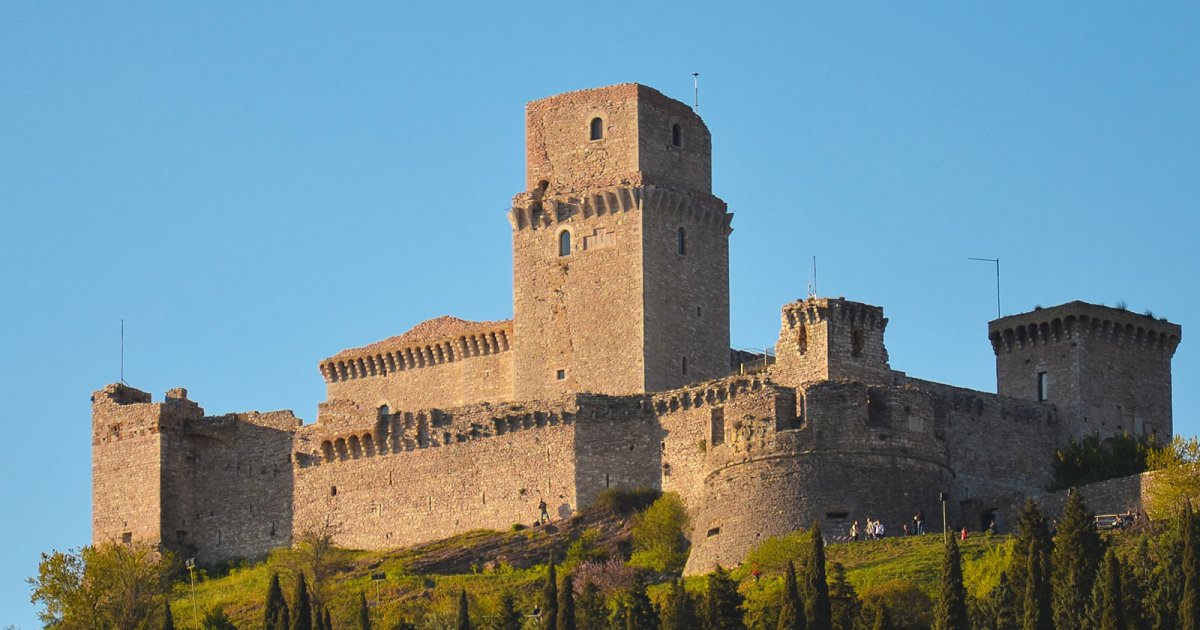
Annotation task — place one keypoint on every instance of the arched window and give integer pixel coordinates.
(384, 411)
(564, 243)
(597, 128)
(681, 242)
(676, 135)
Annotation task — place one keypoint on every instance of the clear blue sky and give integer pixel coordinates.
(254, 186)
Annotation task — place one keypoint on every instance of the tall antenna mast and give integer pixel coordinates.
(997, 262)
(696, 90)
(123, 351)
(812, 280)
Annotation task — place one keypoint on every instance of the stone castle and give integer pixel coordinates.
(616, 372)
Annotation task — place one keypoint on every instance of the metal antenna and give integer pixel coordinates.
(997, 262)
(812, 280)
(696, 89)
(123, 352)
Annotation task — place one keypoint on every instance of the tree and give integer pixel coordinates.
(508, 617)
(589, 610)
(999, 610)
(1108, 610)
(303, 618)
(951, 610)
(314, 553)
(1176, 476)
(1091, 459)
(678, 609)
(1038, 614)
(816, 590)
(550, 598)
(722, 608)
(364, 613)
(640, 613)
(275, 612)
(1075, 559)
(1189, 603)
(659, 542)
(328, 620)
(168, 618)
(216, 619)
(883, 619)
(843, 600)
(464, 612)
(791, 607)
(104, 586)
(566, 604)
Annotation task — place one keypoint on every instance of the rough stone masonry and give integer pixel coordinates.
(616, 372)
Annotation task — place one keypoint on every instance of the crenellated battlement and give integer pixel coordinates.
(404, 353)
(532, 211)
(1076, 320)
(817, 310)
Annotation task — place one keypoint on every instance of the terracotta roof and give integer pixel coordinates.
(430, 330)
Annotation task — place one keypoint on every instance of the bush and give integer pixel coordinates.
(659, 542)
(625, 502)
(910, 608)
(1090, 460)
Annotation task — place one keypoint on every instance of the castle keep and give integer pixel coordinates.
(616, 372)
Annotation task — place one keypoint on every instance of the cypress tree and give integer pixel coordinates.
(328, 620)
(275, 613)
(1189, 602)
(1030, 525)
(679, 609)
(816, 590)
(364, 613)
(1077, 553)
(508, 617)
(1002, 606)
(791, 608)
(1110, 613)
(589, 612)
(566, 604)
(883, 619)
(464, 614)
(723, 604)
(843, 600)
(1038, 615)
(168, 618)
(318, 618)
(951, 610)
(303, 618)
(641, 615)
(550, 598)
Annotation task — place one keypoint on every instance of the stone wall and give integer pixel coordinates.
(127, 482)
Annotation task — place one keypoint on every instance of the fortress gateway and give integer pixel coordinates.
(616, 372)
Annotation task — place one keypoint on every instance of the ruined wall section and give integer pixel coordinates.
(127, 456)
(831, 339)
(236, 470)
(461, 369)
(1107, 369)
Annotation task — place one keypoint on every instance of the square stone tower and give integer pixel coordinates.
(1107, 370)
(620, 250)
(831, 339)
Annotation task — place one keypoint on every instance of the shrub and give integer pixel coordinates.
(625, 502)
(910, 608)
(1090, 460)
(609, 576)
(659, 543)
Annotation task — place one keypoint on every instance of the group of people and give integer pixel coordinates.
(874, 528)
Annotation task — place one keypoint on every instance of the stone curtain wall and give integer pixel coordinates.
(462, 381)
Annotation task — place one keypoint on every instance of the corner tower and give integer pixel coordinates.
(831, 339)
(1107, 370)
(620, 250)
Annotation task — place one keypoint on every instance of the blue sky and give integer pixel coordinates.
(253, 187)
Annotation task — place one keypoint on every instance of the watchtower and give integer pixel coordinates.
(620, 250)
(1107, 370)
(829, 339)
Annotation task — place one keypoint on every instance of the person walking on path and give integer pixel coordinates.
(544, 517)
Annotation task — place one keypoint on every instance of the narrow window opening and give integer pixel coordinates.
(1043, 386)
(564, 243)
(560, 375)
(856, 342)
(127, 538)
(713, 532)
(718, 427)
(683, 365)
(681, 242)
(676, 135)
(697, 311)
(333, 491)
(384, 411)
(597, 128)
